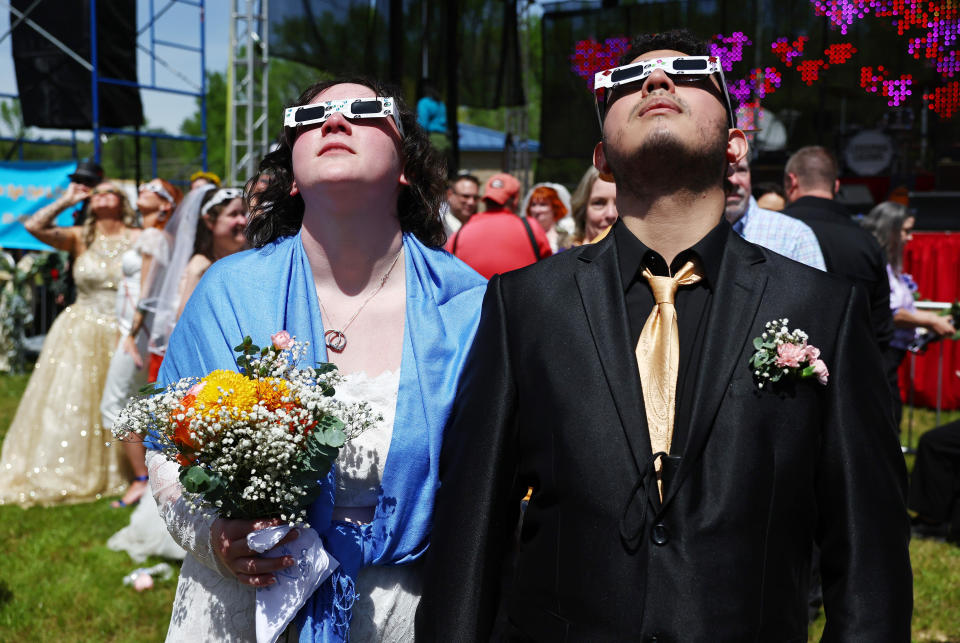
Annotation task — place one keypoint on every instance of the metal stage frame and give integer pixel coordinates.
(96, 79)
(247, 83)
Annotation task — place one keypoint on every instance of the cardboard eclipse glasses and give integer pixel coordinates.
(682, 69)
(351, 108)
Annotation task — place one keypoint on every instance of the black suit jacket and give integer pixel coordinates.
(550, 398)
(852, 252)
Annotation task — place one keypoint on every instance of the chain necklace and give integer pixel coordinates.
(336, 340)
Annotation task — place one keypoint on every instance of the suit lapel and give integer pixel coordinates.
(737, 297)
(601, 291)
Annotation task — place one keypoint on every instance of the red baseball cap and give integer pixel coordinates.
(501, 188)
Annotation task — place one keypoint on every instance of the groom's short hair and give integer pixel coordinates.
(682, 40)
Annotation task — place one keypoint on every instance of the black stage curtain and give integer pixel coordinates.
(406, 40)
(54, 89)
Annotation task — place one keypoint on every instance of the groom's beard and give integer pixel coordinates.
(664, 164)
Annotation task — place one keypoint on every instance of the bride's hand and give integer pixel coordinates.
(229, 539)
(129, 346)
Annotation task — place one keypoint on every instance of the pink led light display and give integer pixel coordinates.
(590, 56)
(939, 22)
(842, 13)
(729, 49)
(760, 83)
(810, 70)
(878, 81)
(944, 101)
(751, 118)
(839, 53)
(948, 66)
(787, 51)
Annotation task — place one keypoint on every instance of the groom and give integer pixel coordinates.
(674, 498)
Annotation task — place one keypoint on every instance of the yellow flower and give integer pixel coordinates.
(270, 390)
(226, 389)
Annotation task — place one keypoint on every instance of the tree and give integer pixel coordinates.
(287, 79)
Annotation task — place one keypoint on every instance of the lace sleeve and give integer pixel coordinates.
(154, 243)
(190, 530)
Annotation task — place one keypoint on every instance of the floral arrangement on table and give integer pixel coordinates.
(254, 443)
(781, 352)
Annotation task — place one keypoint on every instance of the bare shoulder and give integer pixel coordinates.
(198, 265)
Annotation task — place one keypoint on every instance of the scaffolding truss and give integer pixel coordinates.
(247, 82)
(22, 21)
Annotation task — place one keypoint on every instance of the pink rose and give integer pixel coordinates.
(790, 355)
(820, 370)
(196, 388)
(282, 340)
(812, 353)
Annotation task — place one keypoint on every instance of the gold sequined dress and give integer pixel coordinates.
(55, 450)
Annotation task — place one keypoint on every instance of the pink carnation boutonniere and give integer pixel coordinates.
(782, 352)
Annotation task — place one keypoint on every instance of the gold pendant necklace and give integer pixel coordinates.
(336, 340)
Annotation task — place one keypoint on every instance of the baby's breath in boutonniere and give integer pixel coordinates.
(781, 352)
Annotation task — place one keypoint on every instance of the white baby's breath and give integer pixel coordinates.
(254, 451)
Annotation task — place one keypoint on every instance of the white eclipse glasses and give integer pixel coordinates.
(352, 108)
(159, 190)
(684, 70)
(221, 195)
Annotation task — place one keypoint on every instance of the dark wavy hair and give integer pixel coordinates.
(274, 213)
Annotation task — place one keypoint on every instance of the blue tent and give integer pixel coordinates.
(474, 138)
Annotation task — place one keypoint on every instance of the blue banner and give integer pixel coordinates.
(25, 187)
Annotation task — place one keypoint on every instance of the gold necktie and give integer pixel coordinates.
(658, 357)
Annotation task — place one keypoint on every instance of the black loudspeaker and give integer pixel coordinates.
(54, 88)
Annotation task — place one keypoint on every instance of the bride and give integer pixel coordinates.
(347, 255)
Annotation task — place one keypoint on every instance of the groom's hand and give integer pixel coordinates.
(229, 541)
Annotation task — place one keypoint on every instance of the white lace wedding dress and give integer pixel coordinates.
(211, 605)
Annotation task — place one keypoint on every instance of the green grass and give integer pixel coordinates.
(936, 566)
(59, 582)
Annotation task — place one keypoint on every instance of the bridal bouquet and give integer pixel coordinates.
(251, 444)
(256, 444)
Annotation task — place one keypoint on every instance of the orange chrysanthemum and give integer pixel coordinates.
(271, 391)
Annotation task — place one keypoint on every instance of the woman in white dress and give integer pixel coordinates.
(55, 450)
(347, 255)
(155, 202)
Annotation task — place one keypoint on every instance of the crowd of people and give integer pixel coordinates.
(590, 355)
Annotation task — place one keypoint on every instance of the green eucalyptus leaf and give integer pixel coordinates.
(151, 389)
(196, 479)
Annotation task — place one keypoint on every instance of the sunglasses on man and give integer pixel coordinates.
(684, 70)
(351, 108)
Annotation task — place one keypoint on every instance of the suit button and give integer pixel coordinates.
(659, 534)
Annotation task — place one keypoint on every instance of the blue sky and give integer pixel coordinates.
(179, 24)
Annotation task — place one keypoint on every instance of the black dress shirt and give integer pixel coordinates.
(692, 304)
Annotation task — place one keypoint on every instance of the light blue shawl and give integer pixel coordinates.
(259, 292)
